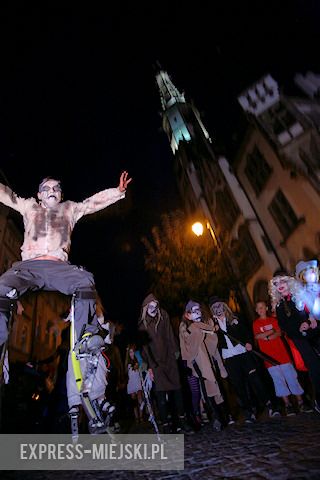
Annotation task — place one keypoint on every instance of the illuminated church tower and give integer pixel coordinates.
(200, 180)
(209, 188)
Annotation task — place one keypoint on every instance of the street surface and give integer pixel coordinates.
(272, 449)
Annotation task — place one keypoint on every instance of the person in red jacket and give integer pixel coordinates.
(285, 378)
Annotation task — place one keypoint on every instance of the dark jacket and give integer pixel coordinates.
(238, 331)
(290, 319)
(160, 350)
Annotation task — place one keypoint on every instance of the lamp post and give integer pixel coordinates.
(229, 265)
(198, 229)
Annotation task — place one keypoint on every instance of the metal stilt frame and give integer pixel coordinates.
(97, 422)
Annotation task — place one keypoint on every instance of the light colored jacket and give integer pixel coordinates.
(47, 231)
(197, 342)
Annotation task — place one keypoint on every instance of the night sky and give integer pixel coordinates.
(79, 101)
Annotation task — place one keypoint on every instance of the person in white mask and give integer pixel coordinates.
(235, 345)
(48, 225)
(200, 354)
(161, 351)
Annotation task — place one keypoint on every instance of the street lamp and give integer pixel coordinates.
(197, 229)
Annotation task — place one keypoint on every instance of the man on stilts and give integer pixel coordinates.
(48, 224)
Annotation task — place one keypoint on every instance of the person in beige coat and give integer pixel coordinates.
(203, 363)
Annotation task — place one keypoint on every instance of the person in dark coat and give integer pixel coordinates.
(295, 321)
(235, 345)
(160, 351)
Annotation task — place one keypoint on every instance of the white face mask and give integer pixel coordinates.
(217, 310)
(310, 276)
(50, 194)
(195, 314)
(153, 308)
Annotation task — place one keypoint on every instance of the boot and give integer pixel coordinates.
(216, 418)
(183, 426)
(216, 425)
(223, 415)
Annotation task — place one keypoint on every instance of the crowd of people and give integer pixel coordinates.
(222, 368)
(217, 367)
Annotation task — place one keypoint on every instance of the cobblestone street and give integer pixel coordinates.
(281, 448)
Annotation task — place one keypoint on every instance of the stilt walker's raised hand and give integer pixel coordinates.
(124, 181)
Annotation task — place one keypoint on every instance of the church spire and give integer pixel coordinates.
(181, 120)
(168, 92)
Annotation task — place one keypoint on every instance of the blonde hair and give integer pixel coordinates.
(303, 272)
(144, 316)
(295, 291)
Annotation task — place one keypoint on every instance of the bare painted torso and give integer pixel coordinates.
(48, 230)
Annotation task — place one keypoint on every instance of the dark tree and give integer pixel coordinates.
(182, 265)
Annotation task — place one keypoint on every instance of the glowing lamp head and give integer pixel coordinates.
(197, 229)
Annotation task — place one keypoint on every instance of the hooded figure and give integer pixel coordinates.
(161, 351)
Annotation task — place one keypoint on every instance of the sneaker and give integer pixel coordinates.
(305, 408)
(289, 411)
(231, 420)
(274, 413)
(249, 417)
